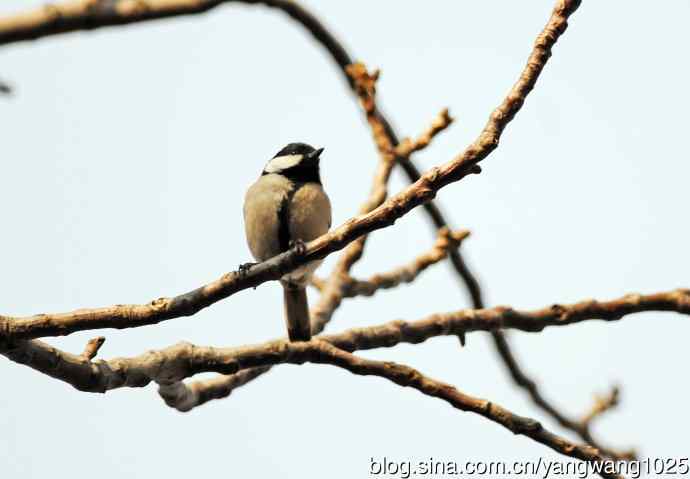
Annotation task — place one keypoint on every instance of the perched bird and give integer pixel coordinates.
(287, 205)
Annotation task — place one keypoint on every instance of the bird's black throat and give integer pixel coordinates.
(302, 173)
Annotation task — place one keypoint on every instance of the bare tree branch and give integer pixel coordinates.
(92, 347)
(406, 376)
(583, 427)
(407, 146)
(69, 16)
(171, 365)
(185, 397)
(529, 385)
(184, 360)
(447, 240)
(601, 405)
(134, 315)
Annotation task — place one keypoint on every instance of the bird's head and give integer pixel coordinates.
(297, 162)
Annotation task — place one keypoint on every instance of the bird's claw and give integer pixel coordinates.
(245, 267)
(298, 246)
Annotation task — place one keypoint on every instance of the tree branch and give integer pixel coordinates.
(134, 315)
(601, 405)
(324, 353)
(171, 365)
(92, 347)
(583, 427)
(185, 360)
(407, 146)
(446, 242)
(185, 397)
(531, 387)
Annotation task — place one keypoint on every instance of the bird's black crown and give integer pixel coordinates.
(295, 149)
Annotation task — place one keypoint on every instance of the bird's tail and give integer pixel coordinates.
(296, 312)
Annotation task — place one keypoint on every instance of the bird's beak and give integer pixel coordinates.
(314, 155)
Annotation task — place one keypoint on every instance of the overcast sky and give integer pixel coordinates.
(126, 153)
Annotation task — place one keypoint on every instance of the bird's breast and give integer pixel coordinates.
(278, 212)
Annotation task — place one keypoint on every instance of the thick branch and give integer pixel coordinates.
(164, 366)
(184, 360)
(69, 16)
(133, 315)
(172, 364)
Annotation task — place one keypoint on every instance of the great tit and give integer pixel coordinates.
(285, 206)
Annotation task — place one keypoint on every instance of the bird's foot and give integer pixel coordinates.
(245, 267)
(298, 246)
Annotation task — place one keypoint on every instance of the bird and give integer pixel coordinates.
(285, 207)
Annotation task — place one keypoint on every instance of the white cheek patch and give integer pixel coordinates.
(282, 163)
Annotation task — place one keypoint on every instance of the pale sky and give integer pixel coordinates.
(126, 153)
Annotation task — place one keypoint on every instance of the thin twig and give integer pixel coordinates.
(584, 430)
(408, 146)
(92, 347)
(601, 405)
(185, 397)
(446, 241)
